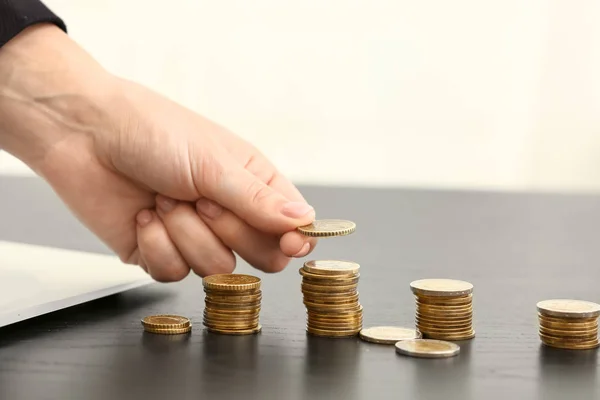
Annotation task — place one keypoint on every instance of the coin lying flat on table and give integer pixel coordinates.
(427, 348)
(328, 228)
(388, 334)
(166, 324)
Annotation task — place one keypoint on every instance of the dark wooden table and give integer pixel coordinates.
(516, 249)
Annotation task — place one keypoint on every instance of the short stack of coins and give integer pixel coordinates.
(568, 324)
(444, 309)
(330, 295)
(232, 304)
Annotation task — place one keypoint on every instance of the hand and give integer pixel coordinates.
(114, 150)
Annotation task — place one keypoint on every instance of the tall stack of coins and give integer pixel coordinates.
(232, 304)
(330, 287)
(331, 298)
(444, 308)
(568, 324)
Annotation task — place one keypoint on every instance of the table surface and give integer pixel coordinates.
(516, 249)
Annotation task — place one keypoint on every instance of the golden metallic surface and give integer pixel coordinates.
(249, 331)
(226, 312)
(232, 306)
(444, 300)
(565, 308)
(574, 326)
(166, 321)
(338, 282)
(331, 267)
(441, 287)
(233, 299)
(339, 276)
(427, 348)
(217, 292)
(328, 289)
(547, 318)
(333, 332)
(568, 333)
(330, 300)
(388, 334)
(328, 228)
(566, 346)
(168, 331)
(231, 282)
(450, 337)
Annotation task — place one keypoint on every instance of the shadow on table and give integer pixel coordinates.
(331, 368)
(568, 371)
(443, 378)
(80, 316)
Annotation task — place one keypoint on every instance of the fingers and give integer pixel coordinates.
(237, 189)
(297, 245)
(259, 249)
(159, 256)
(198, 245)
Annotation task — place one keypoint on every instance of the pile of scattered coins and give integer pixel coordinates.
(444, 308)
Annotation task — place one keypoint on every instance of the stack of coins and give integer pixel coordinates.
(330, 286)
(330, 295)
(568, 324)
(232, 304)
(166, 324)
(444, 309)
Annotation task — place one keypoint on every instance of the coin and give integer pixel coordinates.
(569, 308)
(168, 331)
(166, 321)
(328, 228)
(248, 331)
(451, 337)
(331, 267)
(427, 348)
(233, 282)
(333, 332)
(441, 287)
(388, 334)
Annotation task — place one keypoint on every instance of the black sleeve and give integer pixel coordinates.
(16, 15)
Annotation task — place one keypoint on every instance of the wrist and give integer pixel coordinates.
(50, 91)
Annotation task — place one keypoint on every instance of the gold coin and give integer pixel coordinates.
(328, 228)
(232, 306)
(232, 282)
(338, 313)
(568, 308)
(236, 331)
(445, 331)
(332, 300)
(335, 317)
(222, 311)
(168, 331)
(219, 325)
(328, 289)
(234, 299)
(323, 282)
(388, 334)
(427, 348)
(456, 309)
(445, 301)
(441, 287)
(331, 267)
(424, 325)
(566, 333)
(166, 321)
(444, 336)
(444, 315)
(571, 346)
(575, 326)
(309, 295)
(232, 293)
(335, 327)
(333, 333)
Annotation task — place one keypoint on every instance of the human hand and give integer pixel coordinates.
(112, 150)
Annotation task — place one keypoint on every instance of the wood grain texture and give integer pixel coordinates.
(515, 248)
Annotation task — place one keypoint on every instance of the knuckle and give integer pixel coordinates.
(171, 273)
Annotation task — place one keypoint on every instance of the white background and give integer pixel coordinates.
(463, 94)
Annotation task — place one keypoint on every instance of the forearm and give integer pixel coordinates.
(49, 88)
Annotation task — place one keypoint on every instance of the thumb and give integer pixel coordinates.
(238, 190)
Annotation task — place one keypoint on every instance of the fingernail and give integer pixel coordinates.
(208, 208)
(144, 217)
(296, 209)
(165, 204)
(303, 251)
